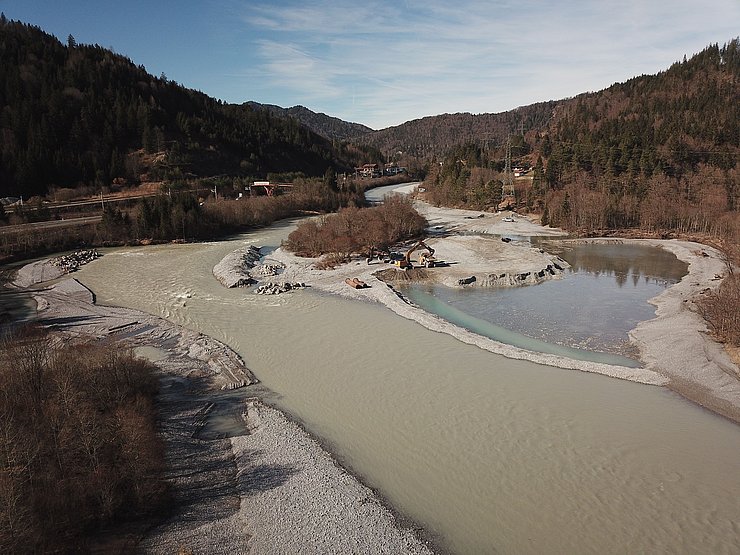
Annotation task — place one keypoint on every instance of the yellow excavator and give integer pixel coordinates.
(426, 259)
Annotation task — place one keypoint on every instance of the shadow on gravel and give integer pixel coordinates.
(259, 478)
(201, 472)
(68, 321)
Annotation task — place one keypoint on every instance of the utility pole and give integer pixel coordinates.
(508, 188)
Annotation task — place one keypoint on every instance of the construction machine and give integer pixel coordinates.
(426, 259)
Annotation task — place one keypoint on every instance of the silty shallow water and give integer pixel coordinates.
(487, 453)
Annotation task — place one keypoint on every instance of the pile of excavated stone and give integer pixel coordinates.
(277, 288)
(233, 270)
(268, 269)
(71, 262)
(513, 279)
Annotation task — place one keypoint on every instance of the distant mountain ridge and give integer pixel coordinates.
(693, 106)
(320, 123)
(436, 135)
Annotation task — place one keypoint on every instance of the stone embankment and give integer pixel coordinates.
(241, 268)
(53, 268)
(278, 288)
(268, 269)
(72, 262)
(514, 279)
(234, 269)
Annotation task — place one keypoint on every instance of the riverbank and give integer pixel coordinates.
(675, 349)
(491, 454)
(677, 344)
(262, 486)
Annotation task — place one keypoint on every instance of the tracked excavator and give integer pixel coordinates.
(426, 259)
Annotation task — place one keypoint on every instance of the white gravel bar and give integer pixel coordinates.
(234, 269)
(296, 499)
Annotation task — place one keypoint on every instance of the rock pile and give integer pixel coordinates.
(268, 269)
(71, 262)
(523, 278)
(514, 279)
(277, 288)
(233, 270)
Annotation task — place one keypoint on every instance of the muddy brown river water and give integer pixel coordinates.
(488, 454)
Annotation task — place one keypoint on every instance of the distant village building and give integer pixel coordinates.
(368, 170)
(373, 170)
(394, 169)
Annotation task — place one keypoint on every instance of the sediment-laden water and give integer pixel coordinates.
(488, 454)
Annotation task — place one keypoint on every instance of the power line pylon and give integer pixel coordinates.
(508, 188)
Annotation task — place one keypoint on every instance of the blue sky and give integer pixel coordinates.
(381, 62)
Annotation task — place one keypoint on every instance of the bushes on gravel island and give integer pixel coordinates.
(78, 444)
(356, 230)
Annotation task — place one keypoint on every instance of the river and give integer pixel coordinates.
(488, 454)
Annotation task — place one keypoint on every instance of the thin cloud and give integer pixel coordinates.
(384, 63)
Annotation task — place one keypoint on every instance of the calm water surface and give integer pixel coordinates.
(489, 454)
(585, 314)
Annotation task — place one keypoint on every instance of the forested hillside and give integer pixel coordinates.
(435, 136)
(77, 115)
(659, 152)
(322, 124)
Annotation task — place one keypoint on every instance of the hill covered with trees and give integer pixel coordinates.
(322, 124)
(435, 136)
(74, 115)
(658, 152)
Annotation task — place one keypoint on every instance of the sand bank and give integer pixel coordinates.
(50, 269)
(676, 343)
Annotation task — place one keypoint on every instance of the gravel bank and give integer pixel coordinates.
(674, 347)
(53, 268)
(262, 485)
(298, 500)
(676, 343)
(233, 270)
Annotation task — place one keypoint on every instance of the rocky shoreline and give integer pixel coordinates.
(52, 268)
(234, 269)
